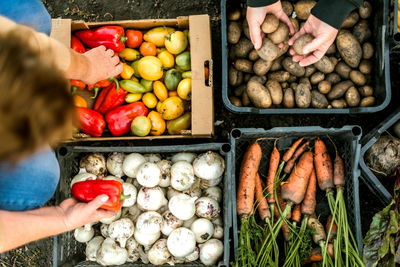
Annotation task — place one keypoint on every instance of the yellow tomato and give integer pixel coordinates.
(157, 35)
(185, 89)
(158, 107)
(129, 54)
(160, 90)
(141, 126)
(79, 101)
(172, 93)
(127, 72)
(130, 98)
(159, 50)
(150, 68)
(172, 108)
(157, 123)
(179, 124)
(167, 59)
(149, 100)
(176, 42)
(133, 78)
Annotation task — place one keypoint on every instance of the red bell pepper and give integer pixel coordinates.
(112, 37)
(75, 85)
(101, 84)
(90, 121)
(120, 119)
(109, 98)
(86, 191)
(77, 45)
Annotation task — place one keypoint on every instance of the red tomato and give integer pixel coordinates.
(148, 49)
(135, 38)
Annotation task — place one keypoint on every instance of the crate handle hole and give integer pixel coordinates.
(397, 37)
(356, 131)
(236, 133)
(62, 151)
(226, 148)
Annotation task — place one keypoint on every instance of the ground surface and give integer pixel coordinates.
(40, 253)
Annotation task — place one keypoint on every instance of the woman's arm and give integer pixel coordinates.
(20, 227)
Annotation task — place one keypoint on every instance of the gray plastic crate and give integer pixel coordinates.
(68, 252)
(346, 140)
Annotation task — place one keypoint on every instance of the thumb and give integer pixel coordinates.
(98, 201)
(313, 45)
(255, 34)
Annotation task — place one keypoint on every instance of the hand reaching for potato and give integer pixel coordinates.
(324, 36)
(256, 16)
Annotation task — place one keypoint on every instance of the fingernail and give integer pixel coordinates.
(305, 51)
(104, 198)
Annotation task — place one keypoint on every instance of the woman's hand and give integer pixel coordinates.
(324, 36)
(255, 18)
(76, 214)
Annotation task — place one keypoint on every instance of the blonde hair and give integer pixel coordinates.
(35, 104)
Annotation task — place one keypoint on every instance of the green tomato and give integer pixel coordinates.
(172, 79)
(183, 61)
(148, 85)
(134, 65)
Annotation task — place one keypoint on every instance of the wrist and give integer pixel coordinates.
(62, 216)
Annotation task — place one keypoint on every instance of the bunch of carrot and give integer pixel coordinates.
(287, 202)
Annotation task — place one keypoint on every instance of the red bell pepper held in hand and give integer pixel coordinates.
(90, 121)
(77, 45)
(109, 98)
(76, 84)
(86, 191)
(120, 119)
(112, 37)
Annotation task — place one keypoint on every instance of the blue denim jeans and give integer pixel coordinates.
(28, 12)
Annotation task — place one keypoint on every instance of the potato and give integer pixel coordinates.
(283, 49)
(366, 90)
(365, 10)
(349, 48)
(284, 85)
(245, 99)
(305, 81)
(235, 101)
(244, 65)
(268, 51)
(293, 85)
(367, 101)
(317, 77)
(235, 77)
(292, 78)
(261, 67)
(324, 87)
(365, 66)
(339, 89)
(343, 70)
(234, 14)
(324, 65)
(309, 70)
(292, 67)
(280, 34)
(333, 78)
(260, 79)
(350, 20)
(243, 48)
(279, 76)
(258, 94)
(339, 103)
(300, 42)
(287, 8)
(302, 96)
(246, 77)
(288, 98)
(362, 31)
(253, 55)
(352, 97)
(275, 91)
(295, 24)
(303, 8)
(318, 100)
(331, 50)
(234, 32)
(238, 91)
(368, 50)
(276, 64)
(270, 24)
(358, 78)
(246, 30)
(334, 61)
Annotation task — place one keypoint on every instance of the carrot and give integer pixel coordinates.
(289, 165)
(273, 167)
(285, 231)
(316, 255)
(282, 204)
(296, 213)
(247, 179)
(338, 171)
(289, 153)
(323, 166)
(309, 201)
(318, 230)
(333, 232)
(295, 187)
(261, 202)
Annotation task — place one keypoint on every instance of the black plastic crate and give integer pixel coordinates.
(68, 252)
(367, 141)
(346, 140)
(381, 70)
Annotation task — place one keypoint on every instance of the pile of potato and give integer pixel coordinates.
(269, 78)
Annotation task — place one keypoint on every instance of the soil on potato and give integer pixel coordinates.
(40, 253)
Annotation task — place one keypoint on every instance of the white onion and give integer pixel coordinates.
(134, 213)
(194, 190)
(159, 254)
(217, 221)
(129, 189)
(183, 156)
(218, 232)
(204, 184)
(162, 209)
(203, 230)
(131, 164)
(110, 253)
(115, 217)
(207, 208)
(149, 223)
(81, 235)
(113, 178)
(189, 222)
(151, 198)
(82, 176)
(165, 167)
(146, 239)
(148, 174)
(170, 223)
(182, 176)
(214, 192)
(114, 163)
(104, 230)
(211, 251)
(182, 206)
(132, 248)
(121, 230)
(153, 158)
(181, 242)
(209, 166)
(194, 256)
(94, 163)
(172, 192)
(92, 246)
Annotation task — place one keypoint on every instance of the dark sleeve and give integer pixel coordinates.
(258, 3)
(334, 12)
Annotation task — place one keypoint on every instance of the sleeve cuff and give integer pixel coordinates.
(334, 12)
(260, 3)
